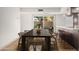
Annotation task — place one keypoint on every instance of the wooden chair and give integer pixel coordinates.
(20, 39)
(54, 41)
(26, 31)
(35, 42)
(54, 37)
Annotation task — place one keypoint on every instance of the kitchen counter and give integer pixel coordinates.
(70, 36)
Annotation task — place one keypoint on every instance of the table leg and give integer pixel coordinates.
(23, 47)
(48, 43)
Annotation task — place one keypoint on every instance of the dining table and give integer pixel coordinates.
(44, 33)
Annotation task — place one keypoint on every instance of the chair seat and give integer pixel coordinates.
(36, 42)
(54, 35)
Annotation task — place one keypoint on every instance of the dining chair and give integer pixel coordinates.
(26, 31)
(36, 43)
(20, 39)
(54, 37)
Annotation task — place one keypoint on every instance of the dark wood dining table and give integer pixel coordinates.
(33, 33)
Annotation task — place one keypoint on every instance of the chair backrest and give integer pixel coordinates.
(21, 33)
(26, 31)
(51, 30)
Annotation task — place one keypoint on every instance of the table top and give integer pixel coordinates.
(33, 32)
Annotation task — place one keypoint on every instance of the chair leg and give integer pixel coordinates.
(19, 43)
(55, 42)
(34, 47)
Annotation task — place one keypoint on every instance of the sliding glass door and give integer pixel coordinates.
(46, 22)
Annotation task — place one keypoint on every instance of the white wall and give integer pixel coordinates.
(68, 21)
(26, 22)
(9, 25)
(60, 20)
(63, 20)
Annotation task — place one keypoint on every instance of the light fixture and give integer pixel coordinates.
(68, 12)
(40, 10)
(77, 8)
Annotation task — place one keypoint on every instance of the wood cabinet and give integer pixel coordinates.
(70, 37)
